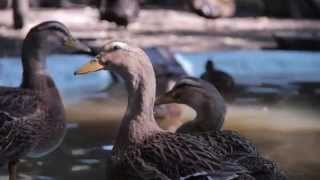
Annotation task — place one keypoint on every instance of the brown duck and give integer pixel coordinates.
(32, 120)
(144, 151)
(221, 80)
(206, 101)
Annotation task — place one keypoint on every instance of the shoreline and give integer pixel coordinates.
(181, 31)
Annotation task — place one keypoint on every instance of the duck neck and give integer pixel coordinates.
(138, 122)
(34, 66)
(210, 115)
(35, 76)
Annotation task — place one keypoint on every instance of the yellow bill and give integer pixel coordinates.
(91, 66)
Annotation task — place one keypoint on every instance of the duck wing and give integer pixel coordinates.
(19, 111)
(229, 142)
(239, 150)
(175, 156)
(259, 167)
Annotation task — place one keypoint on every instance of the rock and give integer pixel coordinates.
(167, 71)
(166, 67)
(213, 8)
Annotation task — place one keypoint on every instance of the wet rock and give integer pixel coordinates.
(213, 8)
(121, 12)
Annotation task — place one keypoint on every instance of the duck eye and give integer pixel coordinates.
(115, 47)
(106, 63)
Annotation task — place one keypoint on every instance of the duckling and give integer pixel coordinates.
(142, 150)
(32, 118)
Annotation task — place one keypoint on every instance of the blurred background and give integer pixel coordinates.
(262, 55)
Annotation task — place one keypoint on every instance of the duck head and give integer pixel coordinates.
(43, 39)
(52, 36)
(193, 92)
(210, 66)
(134, 66)
(120, 57)
(187, 91)
(203, 98)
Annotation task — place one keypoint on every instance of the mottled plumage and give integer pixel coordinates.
(32, 119)
(28, 125)
(210, 108)
(220, 155)
(144, 151)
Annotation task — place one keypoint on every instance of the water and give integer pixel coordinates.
(282, 132)
(254, 67)
(246, 67)
(61, 68)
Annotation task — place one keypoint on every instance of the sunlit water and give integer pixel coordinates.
(285, 133)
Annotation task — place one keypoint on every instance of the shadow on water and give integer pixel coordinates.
(286, 131)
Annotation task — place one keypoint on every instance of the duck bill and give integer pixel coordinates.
(164, 99)
(91, 66)
(76, 46)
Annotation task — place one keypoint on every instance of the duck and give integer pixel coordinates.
(121, 12)
(206, 101)
(220, 79)
(142, 150)
(32, 117)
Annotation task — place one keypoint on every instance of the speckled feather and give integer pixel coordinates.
(220, 155)
(32, 122)
(21, 112)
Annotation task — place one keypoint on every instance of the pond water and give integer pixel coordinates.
(285, 133)
(61, 68)
(254, 67)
